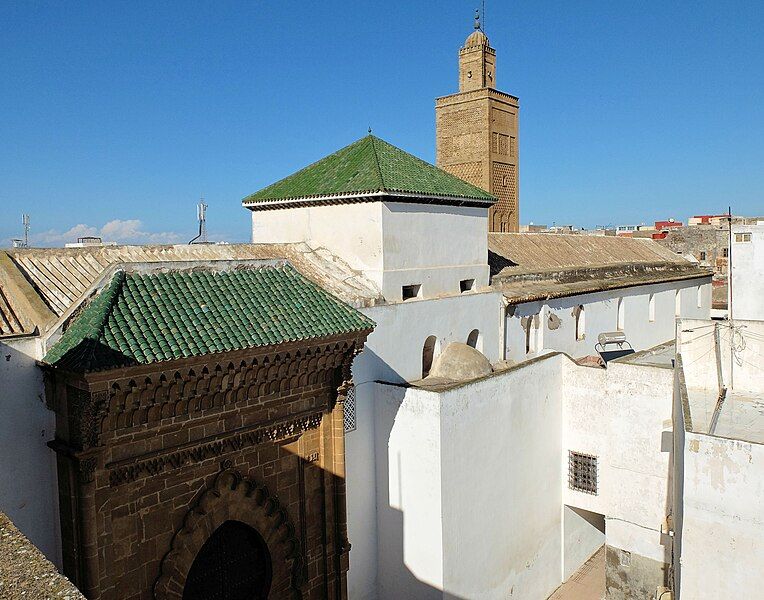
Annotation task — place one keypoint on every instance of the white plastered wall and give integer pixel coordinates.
(28, 479)
(622, 415)
(393, 353)
(600, 315)
(394, 244)
(722, 525)
(500, 441)
(435, 246)
(351, 231)
(748, 273)
(469, 505)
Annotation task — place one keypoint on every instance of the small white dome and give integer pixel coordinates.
(460, 362)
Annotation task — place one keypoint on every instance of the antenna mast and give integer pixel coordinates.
(729, 302)
(201, 215)
(25, 222)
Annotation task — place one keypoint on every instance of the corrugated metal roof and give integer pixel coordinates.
(61, 276)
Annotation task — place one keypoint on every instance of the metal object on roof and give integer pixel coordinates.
(613, 337)
(610, 345)
(43, 284)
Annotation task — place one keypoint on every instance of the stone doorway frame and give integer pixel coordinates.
(231, 497)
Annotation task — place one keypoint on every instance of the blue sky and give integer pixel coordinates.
(117, 116)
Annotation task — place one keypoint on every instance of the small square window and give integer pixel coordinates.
(742, 237)
(702, 256)
(411, 291)
(582, 472)
(466, 285)
(725, 252)
(348, 411)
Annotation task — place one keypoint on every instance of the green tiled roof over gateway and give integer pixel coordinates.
(369, 166)
(146, 318)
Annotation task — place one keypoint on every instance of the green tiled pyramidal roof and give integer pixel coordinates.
(365, 167)
(146, 318)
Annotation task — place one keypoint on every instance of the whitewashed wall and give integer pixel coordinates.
(393, 353)
(469, 506)
(622, 415)
(409, 494)
(500, 494)
(696, 343)
(435, 246)
(28, 480)
(722, 526)
(600, 315)
(395, 244)
(351, 231)
(748, 273)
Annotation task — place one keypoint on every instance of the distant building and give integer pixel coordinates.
(670, 224)
(747, 273)
(532, 228)
(626, 230)
(706, 244)
(88, 241)
(713, 220)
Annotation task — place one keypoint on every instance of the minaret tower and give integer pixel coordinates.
(476, 131)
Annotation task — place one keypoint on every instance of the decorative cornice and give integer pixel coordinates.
(131, 469)
(150, 398)
(481, 93)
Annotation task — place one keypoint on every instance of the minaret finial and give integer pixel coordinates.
(369, 129)
(477, 19)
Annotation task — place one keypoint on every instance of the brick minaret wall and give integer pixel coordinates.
(477, 132)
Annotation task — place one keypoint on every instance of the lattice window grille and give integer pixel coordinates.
(348, 415)
(582, 472)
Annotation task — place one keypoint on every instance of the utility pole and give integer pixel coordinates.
(729, 307)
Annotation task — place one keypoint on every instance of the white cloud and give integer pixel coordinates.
(128, 231)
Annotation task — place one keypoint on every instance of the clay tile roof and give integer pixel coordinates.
(542, 251)
(531, 266)
(40, 285)
(142, 318)
(370, 166)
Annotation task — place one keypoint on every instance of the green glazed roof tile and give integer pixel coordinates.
(367, 166)
(141, 318)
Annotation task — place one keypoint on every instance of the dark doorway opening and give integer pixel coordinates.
(233, 564)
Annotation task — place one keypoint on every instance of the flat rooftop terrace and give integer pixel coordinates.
(662, 355)
(741, 416)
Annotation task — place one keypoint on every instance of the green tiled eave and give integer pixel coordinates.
(147, 318)
(366, 167)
